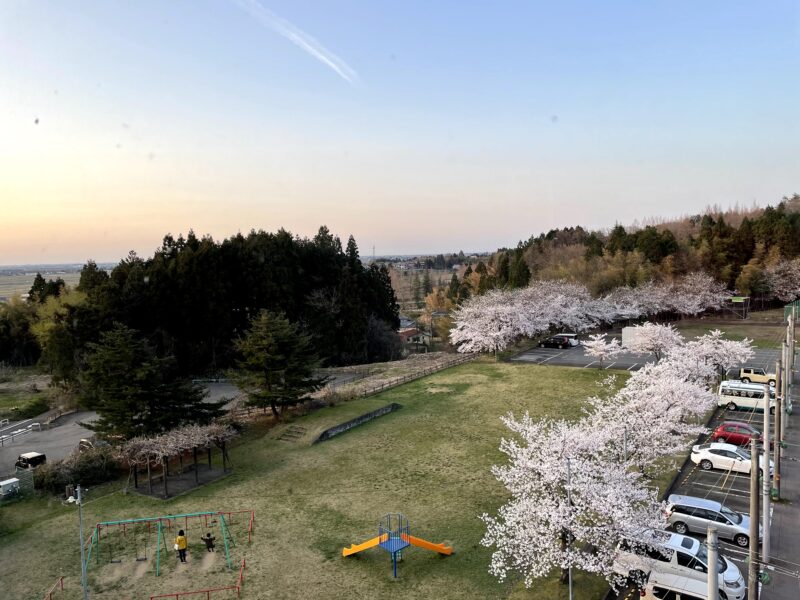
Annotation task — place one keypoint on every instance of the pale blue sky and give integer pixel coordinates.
(466, 125)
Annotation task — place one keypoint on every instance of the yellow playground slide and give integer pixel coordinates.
(440, 548)
(363, 546)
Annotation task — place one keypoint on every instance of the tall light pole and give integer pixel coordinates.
(569, 533)
(712, 590)
(765, 477)
(84, 583)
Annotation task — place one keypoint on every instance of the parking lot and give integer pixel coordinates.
(577, 357)
(56, 442)
(729, 488)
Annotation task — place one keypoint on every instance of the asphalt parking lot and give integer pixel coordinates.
(577, 357)
(728, 488)
(56, 442)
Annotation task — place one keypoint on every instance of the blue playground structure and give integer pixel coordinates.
(394, 535)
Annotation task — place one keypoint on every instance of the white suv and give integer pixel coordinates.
(675, 554)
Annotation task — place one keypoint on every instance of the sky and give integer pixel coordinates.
(414, 126)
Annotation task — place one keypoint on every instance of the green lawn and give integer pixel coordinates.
(765, 328)
(430, 460)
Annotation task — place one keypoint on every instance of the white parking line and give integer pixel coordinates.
(611, 365)
(633, 365)
(715, 489)
(589, 365)
(552, 357)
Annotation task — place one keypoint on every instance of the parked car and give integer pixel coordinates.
(735, 395)
(572, 338)
(756, 375)
(88, 444)
(687, 514)
(672, 554)
(556, 341)
(737, 433)
(726, 457)
(666, 586)
(29, 460)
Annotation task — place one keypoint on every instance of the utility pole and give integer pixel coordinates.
(777, 437)
(785, 380)
(84, 584)
(712, 592)
(752, 568)
(625, 443)
(569, 533)
(766, 485)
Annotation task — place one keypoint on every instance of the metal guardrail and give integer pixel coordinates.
(237, 587)
(247, 411)
(59, 584)
(416, 375)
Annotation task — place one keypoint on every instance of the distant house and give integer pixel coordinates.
(406, 322)
(415, 338)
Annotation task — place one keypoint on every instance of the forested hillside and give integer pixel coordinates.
(746, 250)
(195, 296)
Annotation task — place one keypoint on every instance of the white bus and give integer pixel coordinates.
(736, 395)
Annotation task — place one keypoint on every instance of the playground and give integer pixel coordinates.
(429, 461)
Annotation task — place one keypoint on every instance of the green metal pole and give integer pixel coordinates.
(224, 530)
(158, 550)
(91, 546)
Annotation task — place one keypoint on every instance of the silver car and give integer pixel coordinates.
(688, 514)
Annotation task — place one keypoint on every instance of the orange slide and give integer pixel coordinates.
(359, 547)
(440, 548)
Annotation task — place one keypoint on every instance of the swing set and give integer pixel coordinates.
(112, 540)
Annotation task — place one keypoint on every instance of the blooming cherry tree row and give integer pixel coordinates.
(493, 321)
(621, 436)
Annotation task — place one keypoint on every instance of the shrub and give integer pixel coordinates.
(89, 467)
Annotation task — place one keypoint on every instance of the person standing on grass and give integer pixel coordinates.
(180, 545)
(209, 542)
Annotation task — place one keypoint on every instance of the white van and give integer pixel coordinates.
(676, 555)
(666, 586)
(736, 395)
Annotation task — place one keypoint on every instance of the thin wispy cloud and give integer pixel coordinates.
(299, 38)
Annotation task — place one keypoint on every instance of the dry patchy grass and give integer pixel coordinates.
(430, 460)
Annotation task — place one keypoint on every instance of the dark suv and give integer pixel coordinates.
(557, 341)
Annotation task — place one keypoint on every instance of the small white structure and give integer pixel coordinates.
(9, 487)
(630, 335)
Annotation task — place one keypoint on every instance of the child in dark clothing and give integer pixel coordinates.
(209, 542)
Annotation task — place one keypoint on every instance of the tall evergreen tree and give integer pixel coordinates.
(278, 362)
(427, 286)
(135, 392)
(503, 270)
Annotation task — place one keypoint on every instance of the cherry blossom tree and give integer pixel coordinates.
(490, 322)
(597, 347)
(698, 292)
(652, 338)
(538, 529)
(784, 280)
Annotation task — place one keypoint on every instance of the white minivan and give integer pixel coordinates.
(679, 555)
(667, 586)
(735, 395)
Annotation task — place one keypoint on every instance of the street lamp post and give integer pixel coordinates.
(84, 584)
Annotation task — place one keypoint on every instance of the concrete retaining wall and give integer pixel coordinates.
(342, 427)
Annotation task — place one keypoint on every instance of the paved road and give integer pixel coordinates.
(56, 442)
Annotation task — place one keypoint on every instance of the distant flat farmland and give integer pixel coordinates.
(21, 283)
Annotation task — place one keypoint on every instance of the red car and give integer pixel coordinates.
(735, 432)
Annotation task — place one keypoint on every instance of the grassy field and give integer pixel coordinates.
(21, 284)
(765, 328)
(430, 460)
(22, 392)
